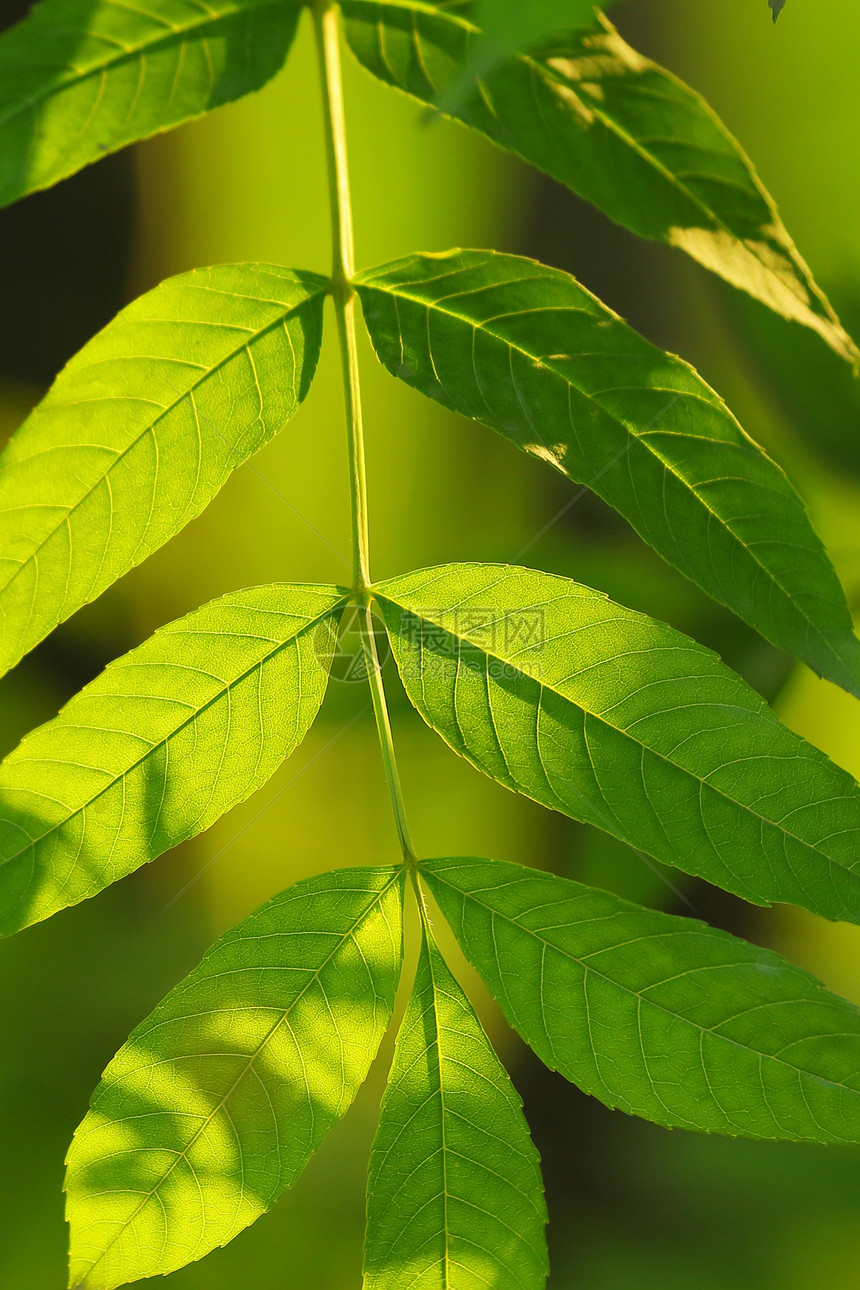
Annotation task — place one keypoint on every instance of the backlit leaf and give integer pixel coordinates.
(218, 1100)
(616, 129)
(556, 692)
(455, 1199)
(659, 1016)
(166, 740)
(140, 431)
(528, 351)
(81, 78)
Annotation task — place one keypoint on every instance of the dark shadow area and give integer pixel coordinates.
(63, 259)
(14, 11)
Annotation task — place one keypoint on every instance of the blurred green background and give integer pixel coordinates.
(631, 1206)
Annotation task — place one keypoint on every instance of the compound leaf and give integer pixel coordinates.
(455, 1199)
(658, 1016)
(218, 1100)
(528, 351)
(616, 129)
(166, 740)
(142, 428)
(556, 692)
(81, 78)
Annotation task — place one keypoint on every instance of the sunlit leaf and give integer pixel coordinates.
(166, 740)
(558, 693)
(616, 129)
(219, 1099)
(455, 1199)
(528, 351)
(140, 431)
(81, 78)
(659, 1016)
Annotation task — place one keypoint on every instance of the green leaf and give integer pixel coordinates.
(658, 1016)
(511, 27)
(616, 129)
(219, 1099)
(142, 428)
(166, 740)
(528, 351)
(81, 78)
(615, 719)
(455, 1199)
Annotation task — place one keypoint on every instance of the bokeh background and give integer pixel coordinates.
(631, 1206)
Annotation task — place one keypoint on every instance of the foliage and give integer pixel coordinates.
(220, 1097)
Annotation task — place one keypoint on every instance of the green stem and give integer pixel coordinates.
(327, 28)
(421, 902)
(386, 741)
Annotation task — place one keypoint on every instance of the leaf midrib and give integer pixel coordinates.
(443, 1057)
(396, 875)
(492, 657)
(164, 36)
(195, 716)
(446, 1232)
(704, 1030)
(165, 412)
